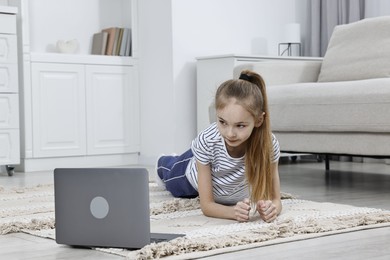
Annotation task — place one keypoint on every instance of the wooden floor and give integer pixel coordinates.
(360, 184)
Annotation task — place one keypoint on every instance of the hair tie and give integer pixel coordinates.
(245, 77)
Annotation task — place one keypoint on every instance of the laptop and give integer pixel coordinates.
(104, 207)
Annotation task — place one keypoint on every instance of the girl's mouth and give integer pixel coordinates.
(231, 141)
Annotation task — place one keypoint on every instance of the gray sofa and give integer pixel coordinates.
(339, 104)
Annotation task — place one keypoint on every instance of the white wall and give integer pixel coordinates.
(172, 34)
(155, 78)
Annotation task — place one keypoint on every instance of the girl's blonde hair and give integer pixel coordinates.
(250, 93)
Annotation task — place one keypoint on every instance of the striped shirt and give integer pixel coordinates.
(228, 173)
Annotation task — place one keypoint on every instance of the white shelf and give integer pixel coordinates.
(8, 10)
(82, 59)
(46, 22)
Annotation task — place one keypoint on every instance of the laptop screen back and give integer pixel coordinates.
(102, 207)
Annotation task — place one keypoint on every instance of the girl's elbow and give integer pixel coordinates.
(205, 211)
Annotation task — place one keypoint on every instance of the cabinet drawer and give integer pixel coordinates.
(8, 78)
(9, 147)
(8, 48)
(9, 111)
(7, 24)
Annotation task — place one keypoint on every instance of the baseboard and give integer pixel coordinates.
(45, 164)
(147, 160)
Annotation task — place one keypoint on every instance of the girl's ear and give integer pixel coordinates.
(260, 120)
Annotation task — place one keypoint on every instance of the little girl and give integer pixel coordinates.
(233, 163)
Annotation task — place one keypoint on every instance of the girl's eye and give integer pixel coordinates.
(222, 122)
(240, 126)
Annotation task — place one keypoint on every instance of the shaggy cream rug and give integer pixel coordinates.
(31, 210)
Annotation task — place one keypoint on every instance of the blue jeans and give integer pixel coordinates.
(171, 170)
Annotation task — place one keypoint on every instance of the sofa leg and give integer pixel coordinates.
(327, 162)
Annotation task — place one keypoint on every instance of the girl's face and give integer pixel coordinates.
(235, 124)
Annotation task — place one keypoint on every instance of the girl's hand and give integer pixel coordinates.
(241, 210)
(267, 210)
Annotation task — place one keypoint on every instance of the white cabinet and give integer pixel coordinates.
(9, 129)
(58, 109)
(82, 109)
(9, 89)
(112, 109)
(78, 110)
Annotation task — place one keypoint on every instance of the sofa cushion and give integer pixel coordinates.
(359, 50)
(349, 106)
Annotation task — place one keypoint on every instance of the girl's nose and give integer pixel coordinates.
(231, 133)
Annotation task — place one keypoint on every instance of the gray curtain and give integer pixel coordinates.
(323, 16)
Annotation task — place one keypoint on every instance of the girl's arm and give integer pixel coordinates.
(270, 209)
(209, 207)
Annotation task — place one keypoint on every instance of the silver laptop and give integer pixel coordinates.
(104, 207)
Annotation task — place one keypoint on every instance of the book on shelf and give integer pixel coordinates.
(125, 34)
(128, 44)
(118, 41)
(117, 31)
(99, 43)
(110, 39)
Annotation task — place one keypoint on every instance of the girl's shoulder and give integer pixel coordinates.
(274, 140)
(208, 137)
(207, 143)
(275, 148)
(210, 132)
(273, 137)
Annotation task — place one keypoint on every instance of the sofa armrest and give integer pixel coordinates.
(284, 71)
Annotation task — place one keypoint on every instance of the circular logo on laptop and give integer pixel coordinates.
(99, 207)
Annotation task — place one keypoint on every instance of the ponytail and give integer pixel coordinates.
(258, 151)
